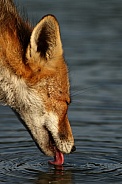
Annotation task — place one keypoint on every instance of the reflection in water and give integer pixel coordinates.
(57, 175)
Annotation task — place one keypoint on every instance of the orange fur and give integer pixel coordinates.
(34, 77)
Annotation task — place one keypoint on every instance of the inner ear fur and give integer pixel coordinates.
(45, 41)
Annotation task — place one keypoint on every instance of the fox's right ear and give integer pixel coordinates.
(45, 41)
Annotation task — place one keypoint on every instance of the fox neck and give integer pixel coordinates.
(27, 106)
(16, 94)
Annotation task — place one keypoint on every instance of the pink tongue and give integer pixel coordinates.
(58, 158)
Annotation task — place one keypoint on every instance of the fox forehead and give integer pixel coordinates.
(57, 85)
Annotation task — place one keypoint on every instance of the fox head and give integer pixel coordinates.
(48, 123)
(42, 94)
(39, 87)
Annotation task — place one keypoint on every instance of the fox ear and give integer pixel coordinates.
(45, 41)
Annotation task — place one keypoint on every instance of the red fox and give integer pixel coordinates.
(34, 79)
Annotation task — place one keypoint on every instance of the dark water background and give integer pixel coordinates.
(92, 39)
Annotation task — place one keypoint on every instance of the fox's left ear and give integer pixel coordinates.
(45, 41)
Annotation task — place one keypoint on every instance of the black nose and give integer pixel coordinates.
(73, 149)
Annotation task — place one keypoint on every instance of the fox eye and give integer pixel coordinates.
(67, 102)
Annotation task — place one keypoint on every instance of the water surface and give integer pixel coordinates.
(92, 39)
